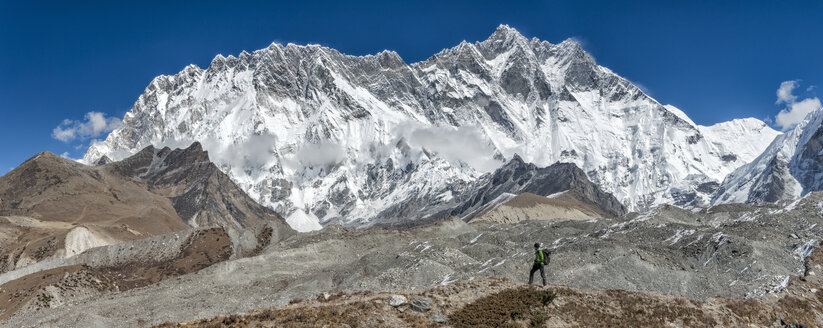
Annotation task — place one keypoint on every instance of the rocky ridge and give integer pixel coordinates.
(52, 208)
(518, 177)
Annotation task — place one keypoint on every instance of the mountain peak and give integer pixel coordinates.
(570, 42)
(192, 67)
(505, 33)
(571, 45)
(505, 29)
(503, 39)
(516, 160)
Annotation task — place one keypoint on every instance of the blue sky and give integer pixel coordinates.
(716, 60)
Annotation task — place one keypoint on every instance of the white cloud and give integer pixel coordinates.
(94, 125)
(244, 156)
(784, 92)
(67, 156)
(320, 154)
(465, 144)
(795, 111)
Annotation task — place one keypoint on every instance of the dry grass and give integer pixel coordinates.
(361, 313)
(619, 308)
(508, 307)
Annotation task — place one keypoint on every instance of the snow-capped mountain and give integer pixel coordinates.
(791, 167)
(325, 137)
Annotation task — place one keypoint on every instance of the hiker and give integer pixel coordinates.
(540, 261)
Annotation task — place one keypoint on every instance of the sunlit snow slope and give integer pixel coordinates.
(790, 167)
(324, 137)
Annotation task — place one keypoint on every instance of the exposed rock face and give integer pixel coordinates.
(323, 137)
(528, 206)
(199, 192)
(51, 207)
(518, 177)
(103, 160)
(807, 164)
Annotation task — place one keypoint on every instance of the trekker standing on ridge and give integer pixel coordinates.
(540, 261)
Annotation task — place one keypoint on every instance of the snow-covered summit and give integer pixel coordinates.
(325, 137)
(790, 167)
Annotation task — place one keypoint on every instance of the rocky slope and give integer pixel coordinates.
(199, 192)
(518, 177)
(492, 302)
(98, 273)
(732, 251)
(54, 208)
(789, 168)
(323, 137)
(527, 206)
(125, 266)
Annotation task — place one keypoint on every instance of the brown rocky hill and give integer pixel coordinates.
(52, 207)
(200, 193)
(561, 190)
(528, 206)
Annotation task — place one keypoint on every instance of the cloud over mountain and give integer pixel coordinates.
(795, 111)
(94, 125)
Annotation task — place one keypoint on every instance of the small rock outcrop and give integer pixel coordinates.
(398, 300)
(421, 304)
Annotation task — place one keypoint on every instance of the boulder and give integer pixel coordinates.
(398, 300)
(421, 304)
(439, 318)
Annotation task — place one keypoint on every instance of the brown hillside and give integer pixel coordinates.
(54, 207)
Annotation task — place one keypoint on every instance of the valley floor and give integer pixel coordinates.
(723, 266)
(496, 302)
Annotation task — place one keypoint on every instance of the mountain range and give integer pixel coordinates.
(322, 137)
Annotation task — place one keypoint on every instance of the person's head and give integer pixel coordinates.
(536, 245)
